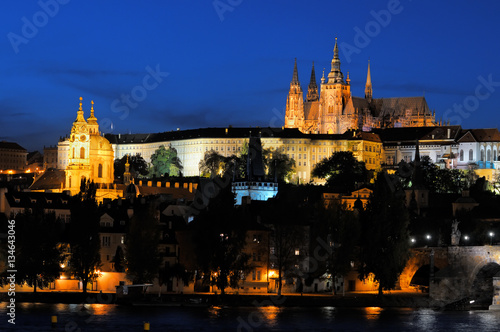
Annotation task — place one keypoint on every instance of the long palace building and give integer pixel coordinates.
(451, 146)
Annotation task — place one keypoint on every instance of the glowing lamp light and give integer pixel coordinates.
(428, 237)
(466, 237)
(413, 240)
(271, 274)
(62, 266)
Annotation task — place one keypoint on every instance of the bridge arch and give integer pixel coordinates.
(420, 258)
(481, 289)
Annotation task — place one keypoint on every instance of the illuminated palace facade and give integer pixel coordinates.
(450, 146)
(305, 149)
(333, 110)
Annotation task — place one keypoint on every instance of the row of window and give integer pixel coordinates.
(488, 155)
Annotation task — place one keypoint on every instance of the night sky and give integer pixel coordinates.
(230, 62)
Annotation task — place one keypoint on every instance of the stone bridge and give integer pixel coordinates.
(459, 272)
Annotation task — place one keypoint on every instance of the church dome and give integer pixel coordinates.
(100, 143)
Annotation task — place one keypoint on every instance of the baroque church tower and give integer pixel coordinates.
(79, 146)
(90, 157)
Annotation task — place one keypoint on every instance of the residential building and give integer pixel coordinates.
(49, 157)
(12, 157)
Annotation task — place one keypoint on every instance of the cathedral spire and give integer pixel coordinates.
(335, 75)
(368, 86)
(295, 79)
(312, 91)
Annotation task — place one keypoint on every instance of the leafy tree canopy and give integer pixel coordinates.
(385, 240)
(138, 166)
(341, 169)
(85, 259)
(165, 162)
(141, 246)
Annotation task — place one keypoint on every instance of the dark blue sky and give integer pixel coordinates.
(230, 61)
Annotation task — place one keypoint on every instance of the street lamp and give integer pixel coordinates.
(466, 238)
(491, 234)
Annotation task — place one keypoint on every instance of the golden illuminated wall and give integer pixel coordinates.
(306, 152)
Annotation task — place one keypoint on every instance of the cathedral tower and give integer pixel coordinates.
(368, 85)
(333, 98)
(294, 115)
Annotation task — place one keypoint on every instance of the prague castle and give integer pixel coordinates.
(333, 110)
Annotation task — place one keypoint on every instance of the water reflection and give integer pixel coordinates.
(426, 319)
(215, 311)
(100, 317)
(373, 312)
(328, 312)
(270, 314)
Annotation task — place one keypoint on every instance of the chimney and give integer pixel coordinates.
(449, 132)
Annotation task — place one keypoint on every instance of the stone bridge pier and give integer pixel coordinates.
(460, 272)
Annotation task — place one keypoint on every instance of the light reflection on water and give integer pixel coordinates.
(373, 312)
(103, 317)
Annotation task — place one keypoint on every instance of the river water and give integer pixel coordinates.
(103, 317)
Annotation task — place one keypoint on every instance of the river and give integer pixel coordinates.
(104, 317)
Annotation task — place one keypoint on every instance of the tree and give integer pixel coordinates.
(142, 245)
(165, 161)
(385, 241)
(342, 234)
(435, 179)
(219, 239)
(118, 260)
(278, 165)
(212, 164)
(341, 169)
(138, 166)
(285, 217)
(38, 248)
(286, 239)
(84, 241)
(167, 273)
